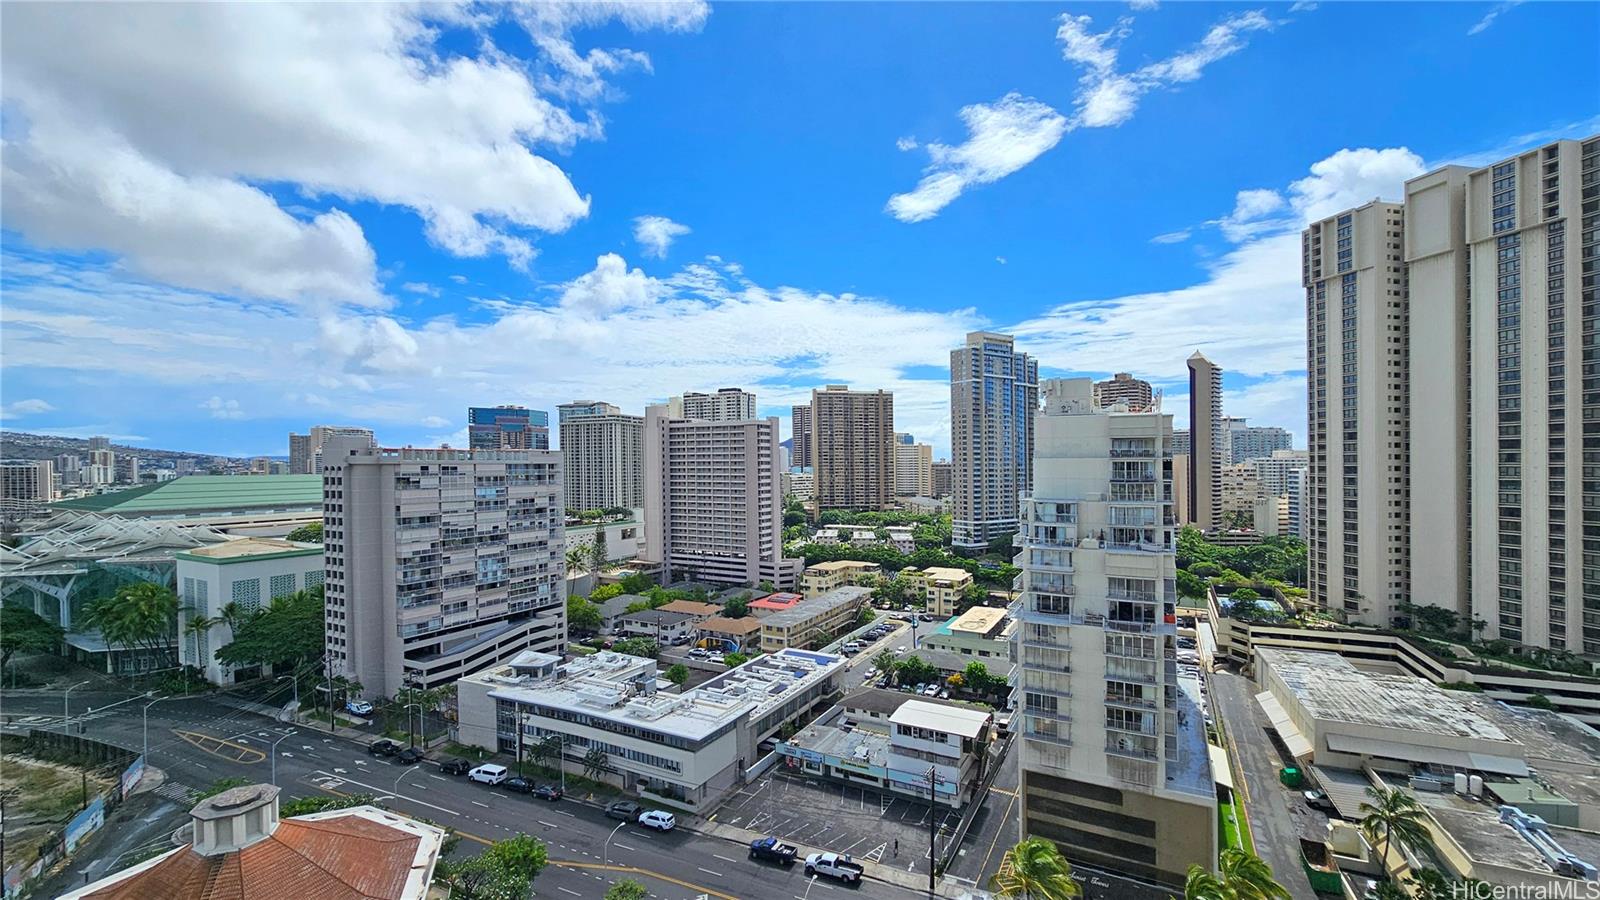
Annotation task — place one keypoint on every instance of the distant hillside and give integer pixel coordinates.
(22, 445)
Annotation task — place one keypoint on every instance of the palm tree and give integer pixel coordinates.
(1388, 890)
(578, 560)
(1035, 870)
(142, 616)
(594, 763)
(1202, 885)
(1391, 816)
(1248, 877)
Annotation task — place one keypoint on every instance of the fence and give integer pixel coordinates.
(84, 753)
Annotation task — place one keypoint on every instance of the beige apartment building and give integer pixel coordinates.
(1207, 442)
(852, 448)
(726, 405)
(815, 621)
(825, 576)
(1123, 388)
(440, 562)
(994, 392)
(1239, 490)
(26, 486)
(1357, 410)
(913, 468)
(1114, 761)
(941, 586)
(602, 456)
(713, 507)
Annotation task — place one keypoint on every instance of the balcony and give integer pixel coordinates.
(1053, 715)
(1129, 749)
(1131, 626)
(1131, 702)
(1058, 739)
(1133, 452)
(1131, 676)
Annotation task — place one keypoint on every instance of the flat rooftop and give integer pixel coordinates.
(946, 719)
(841, 565)
(980, 620)
(863, 746)
(884, 701)
(196, 494)
(1329, 688)
(818, 605)
(249, 548)
(1476, 826)
(1191, 771)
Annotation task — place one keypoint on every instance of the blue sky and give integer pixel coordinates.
(258, 218)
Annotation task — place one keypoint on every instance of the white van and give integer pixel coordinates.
(489, 774)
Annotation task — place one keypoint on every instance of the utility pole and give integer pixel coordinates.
(327, 669)
(933, 828)
(519, 743)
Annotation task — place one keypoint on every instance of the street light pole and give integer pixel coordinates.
(409, 722)
(65, 714)
(933, 827)
(605, 852)
(294, 680)
(275, 757)
(397, 781)
(145, 715)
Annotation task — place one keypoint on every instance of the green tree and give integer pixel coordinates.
(583, 615)
(1191, 585)
(1248, 877)
(1388, 890)
(885, 662)
(637, 583)
(637, 646)
(290, 632)
(223, 784)
(599, 556)
(142, 616)
(737, 608)
(734, 660)
(914, 670)
(608, 591)
(1540, 701)
(892, 590)
(678, 673)
(1244, 595)
(865, 615)
(307, 534)
(1390, 816)
(524, 854)
(972, 595)
(595, 762)
(482, 877)
(977, 678)
(305, 806)
(626, 889)
(1035, 870)
(1202, 885)
(24, 630)
(578, 559)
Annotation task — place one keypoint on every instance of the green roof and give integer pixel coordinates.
(206, 493)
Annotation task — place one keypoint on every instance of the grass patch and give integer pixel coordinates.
(476, 754)
(1235, 825)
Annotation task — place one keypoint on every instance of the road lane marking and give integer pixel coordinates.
(625, 846)
(698, 889)
(723, 858)
(484, 805)
(545, 824)
(709, 872)
(378, 790)
(439, 777)
(565, 891)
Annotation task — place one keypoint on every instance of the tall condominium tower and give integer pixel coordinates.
(507, 428)
(26, 486)
(944, 478)
(1126, 389)
(602, 456)
(1207, 442)
(713, 503)
(300, 454)
(994, 391)
(1115, 767)
(853, 449)
(1243, 441)
(305, 450)
(800, 440)
(726, 405)
(440, 562)
(913, 467)
(1357, 411)
(1297, 503)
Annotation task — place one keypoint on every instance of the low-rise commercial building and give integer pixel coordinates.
(772, 603)
(698, 611)
(982, 632)
(896, 537)
(814, 621)
(942, 586)
(665, 628)
(922, 748)
(825, 576)
(686, 750)
(250, 574)
(730, 635)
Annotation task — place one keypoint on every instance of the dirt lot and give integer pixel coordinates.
(40, 798)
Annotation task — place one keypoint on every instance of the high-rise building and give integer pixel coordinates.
(853, 448)
(1238, 492)
(712, 500)
(1245, 441)
(994, 392)
(25, 486)
(301, 454)
(1357, 404)
(127, 469)
(800, 437)
(440, 561)
(602, 455)
(1180, 442)
(1207, 447)
(67, 467)
(913, 468)
(728, 404)
(944, 478)
(507, 428)
(102, 468)
(1115, 767)
(99, 442)
(1272, 472)
(1126, 389)
(347, 437)
(1297, 503)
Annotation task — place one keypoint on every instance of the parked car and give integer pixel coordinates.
(900, 649)
(384, 747)
(659, 819)
(771, 849)
(489, 773)
(716, 658)
(547, 792)
(358, 707)
(697, 653)
(834, 865)
(626, 810)
(455, 765)
(1319, 800)
(410, 756)
(517, 785)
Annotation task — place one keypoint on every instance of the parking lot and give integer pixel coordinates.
(863, 822)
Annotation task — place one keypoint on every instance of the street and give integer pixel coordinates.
(197, 741)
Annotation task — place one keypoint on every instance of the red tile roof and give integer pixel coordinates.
(343, 858)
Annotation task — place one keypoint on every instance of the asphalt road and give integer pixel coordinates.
(1278, 816)
(197, 741)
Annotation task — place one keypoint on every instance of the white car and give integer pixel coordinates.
(358, 707)
(659, 819)
(489, 774)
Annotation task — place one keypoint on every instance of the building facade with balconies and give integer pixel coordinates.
(1115, 768)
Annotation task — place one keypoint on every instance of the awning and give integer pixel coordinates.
(1297, 743)
(1219, 766)
(1422, 753)
(1345, 789)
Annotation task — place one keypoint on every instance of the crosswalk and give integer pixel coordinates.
(178, 793)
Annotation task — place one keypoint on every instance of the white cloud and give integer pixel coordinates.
(1172, 237)
(222, 409)
(655, 234)
(1001, 138)
(434, 422)
(159, 162)
(459, 279)
(1000, 259)
(1143, 5)
(611, 286)
(906, 143)
(24, 408)
(420, 287)
(1494, 13)
(1302, 6)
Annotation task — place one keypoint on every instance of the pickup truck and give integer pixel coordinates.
(834, 865)
(773, 850)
